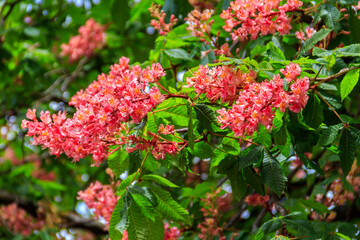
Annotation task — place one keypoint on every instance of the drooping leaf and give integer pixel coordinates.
(138, 228)
(280, 136)
(118, 162)
(272, 174)
(168, 207)
(238, 184)
(254, 180)
(313, 112)
(117, 220)
(160, 180)
(156, 228)
(191, 135)
(252, 156)
(206, 116)
(144, 205)
(347, 150)
(356, 135)
(314, 39)
(330, 134)
(348, 83)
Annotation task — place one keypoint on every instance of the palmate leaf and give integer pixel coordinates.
(347, 150)
(168, 207)
(330, 134)
(348, 83)
(138, 227)
(314, 39)
(272, 174)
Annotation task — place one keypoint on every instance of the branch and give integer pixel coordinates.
(12, 5)
(332, 77)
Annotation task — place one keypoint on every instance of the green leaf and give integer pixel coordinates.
(238, 184)
(330, 14)
(144, 191)
(155, 229)
(330, 134)
(280, 136)
(356, 135)
(118, 162)
(145, 206)
(310, 204)
(206, 116)
(348, 83)
(270, 226)
(126, 182)
(118, 221)
(352, 50)
(313, 112)
(273, 53)
(191, 135)
(309, 163)
(254, 180)
(262, 137)
(177, 53)
(299, 225)
(272, 174)
(120, 13)
(347, 151)
(160, 180)
(314, 39)
(251, 157)
(138, 228)
(168, 207)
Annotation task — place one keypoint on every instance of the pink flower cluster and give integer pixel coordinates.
(259, 16)
(257, 200)
(160, 24)
(123, 95)
(257, 102)
(91, 37)
(18, 221)
(301, 35)
(220, 83)
(198, 23)
(158, 145)
(100, 198)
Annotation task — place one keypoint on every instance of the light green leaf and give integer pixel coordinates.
(273, 53)
(177, 53)
(160, 180)
(348, 83)
(126, 182)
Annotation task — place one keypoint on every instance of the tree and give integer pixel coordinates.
(179, 120)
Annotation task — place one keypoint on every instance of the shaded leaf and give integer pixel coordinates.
(347, 151)
(330, 134)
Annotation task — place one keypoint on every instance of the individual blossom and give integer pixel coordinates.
(257, 102)
(124, 95)
(100, 198)
(160, 24)
(246, 18)
(18, 221)
(220, 83)
(91, 37)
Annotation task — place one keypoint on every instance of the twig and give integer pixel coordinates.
(237, 215)
(332, 77)
(317, 93)
(12, 5)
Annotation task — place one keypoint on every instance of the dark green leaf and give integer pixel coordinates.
(252, 156)
(206, 116)
(347, 150)
(191, 135)
(313, 112)
(254, 180)
(120, 13)
(138, 228)
(272, 174)
(314, 39)
(238, 184)
(330, 134)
